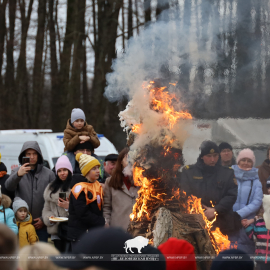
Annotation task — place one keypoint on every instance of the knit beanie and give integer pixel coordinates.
(77, 114)
(239, 260)
(246, 153)
(19, 203)
(224, 145)
(63, 163)
(86, 162)
(208, 147)
(175, 247)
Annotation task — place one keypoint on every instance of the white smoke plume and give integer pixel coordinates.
(162, 45)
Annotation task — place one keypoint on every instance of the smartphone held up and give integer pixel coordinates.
(26, 160)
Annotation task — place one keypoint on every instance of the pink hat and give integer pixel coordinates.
(63, 162)
(246, 153)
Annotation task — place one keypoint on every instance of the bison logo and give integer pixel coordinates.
(138, 242)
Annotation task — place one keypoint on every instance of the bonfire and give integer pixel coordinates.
(156, 126)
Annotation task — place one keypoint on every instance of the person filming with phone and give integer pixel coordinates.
(56, 203)
(29, 182)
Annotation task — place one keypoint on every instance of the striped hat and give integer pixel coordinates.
(86, 162)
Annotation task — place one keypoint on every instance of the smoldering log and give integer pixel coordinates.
(166, 223)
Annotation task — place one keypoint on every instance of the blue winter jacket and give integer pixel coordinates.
(244, 178)
(10, 218)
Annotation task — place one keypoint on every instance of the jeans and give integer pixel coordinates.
(43, 235)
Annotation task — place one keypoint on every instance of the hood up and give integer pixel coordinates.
(31, 145)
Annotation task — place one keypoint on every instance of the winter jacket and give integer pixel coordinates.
(27, 232)
(3, 178)
(71, 136)
(118, 204)
(262, 240)
(52, 209)
(264, 173)
(10, 218)
(244, 179)
(214, 184)
(30, 187)
(82, 216)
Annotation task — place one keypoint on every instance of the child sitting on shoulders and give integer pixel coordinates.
(6, 214)
(78, 131)
(27, 232)
(261, 231)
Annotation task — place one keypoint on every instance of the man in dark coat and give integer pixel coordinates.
(226, 154)
(210, 181)
(3, 178)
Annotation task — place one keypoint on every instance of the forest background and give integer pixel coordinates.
(55, 56)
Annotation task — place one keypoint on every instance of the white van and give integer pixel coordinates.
(51, 145)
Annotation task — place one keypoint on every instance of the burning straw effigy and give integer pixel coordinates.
(157, 127)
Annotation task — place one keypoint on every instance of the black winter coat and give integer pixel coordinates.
(216, 184)
(82, 217)
(10, 194)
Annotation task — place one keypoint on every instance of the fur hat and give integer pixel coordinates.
(77, 114)
(19, 203)
(246, 153)
(63, 163)
(86, 162)
(266, 207)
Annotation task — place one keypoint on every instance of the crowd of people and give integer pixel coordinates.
(97, 206)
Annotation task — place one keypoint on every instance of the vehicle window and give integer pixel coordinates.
(46, 164)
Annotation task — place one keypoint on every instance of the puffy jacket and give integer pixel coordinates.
(82, 216)
(30, 187)
(10, 218)
(71, 136)
(244, 179)
(27, 232)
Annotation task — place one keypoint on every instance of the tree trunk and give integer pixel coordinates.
(61, 109)
(147, 11)
(37, 72)
(108, 12)
(9, 78)
(22, 79)
(130, 19)
(3, 5)
(55, 97)
(79, 36)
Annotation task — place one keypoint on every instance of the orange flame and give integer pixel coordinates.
(162, 101)
(136, 128)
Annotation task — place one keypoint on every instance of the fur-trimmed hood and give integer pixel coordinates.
(5, 201)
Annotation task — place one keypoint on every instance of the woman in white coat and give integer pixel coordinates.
(119, 195)
(55, 206)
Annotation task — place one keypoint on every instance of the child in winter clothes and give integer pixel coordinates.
(27, 232)
(78, 131)
(6, 214)
(261, 231)
(86, 199)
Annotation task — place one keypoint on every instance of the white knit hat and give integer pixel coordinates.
(77, 114)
